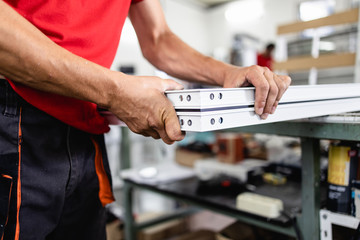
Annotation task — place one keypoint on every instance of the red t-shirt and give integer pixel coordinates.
(264, 61)
(90, 29)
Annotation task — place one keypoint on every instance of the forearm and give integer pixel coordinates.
(28, 57)
(176, 58)
(167, 52)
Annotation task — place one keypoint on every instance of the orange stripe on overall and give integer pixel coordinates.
(105, 192)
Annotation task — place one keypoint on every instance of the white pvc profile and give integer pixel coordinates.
(216, 120)
(226, 97)
(328, 219)
(237, 109)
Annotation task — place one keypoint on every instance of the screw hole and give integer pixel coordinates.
(188, 98)
(181, 98)
(189, 122)
(212, 121)
(212, 96)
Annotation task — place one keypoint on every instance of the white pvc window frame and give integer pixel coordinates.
(202, 110)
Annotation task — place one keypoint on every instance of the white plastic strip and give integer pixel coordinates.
(225, 97)
(223, 119)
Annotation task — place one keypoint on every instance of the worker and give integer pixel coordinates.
(265, 58)
(55, 56)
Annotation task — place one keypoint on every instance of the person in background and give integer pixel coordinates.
(265, 58)
(55, 57)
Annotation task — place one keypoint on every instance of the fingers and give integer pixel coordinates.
(168, 84)
(272, 93)
(269, 88)
(151, 133)
(165, 123)
(257, 79)
(170, 131)
(150, 113)
(283, 83)
(172, 127)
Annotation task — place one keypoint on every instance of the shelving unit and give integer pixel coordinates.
(310, 133)
(315, 61)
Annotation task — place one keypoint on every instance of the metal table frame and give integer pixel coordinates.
(310, 134)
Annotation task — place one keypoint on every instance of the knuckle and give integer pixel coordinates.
(285, 79)
(288, 80)
(264, 86)
(256, 68)
(267, 70)
(282, 85)
(274, 90)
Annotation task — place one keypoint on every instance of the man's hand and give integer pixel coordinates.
(269, 87)
(142, 105)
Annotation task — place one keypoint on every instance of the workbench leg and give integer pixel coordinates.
(125, 149)
(309, 220)
(130, 232)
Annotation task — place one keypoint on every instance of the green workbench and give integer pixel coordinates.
(310, 134)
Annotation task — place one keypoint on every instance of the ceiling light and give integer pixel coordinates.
(316, 9)
(244, 11)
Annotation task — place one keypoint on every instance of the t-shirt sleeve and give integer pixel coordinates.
(135, 1)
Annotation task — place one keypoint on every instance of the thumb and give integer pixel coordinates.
(169, 84)
(172, 126)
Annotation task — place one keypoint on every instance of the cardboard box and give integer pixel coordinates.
(188, 158)
(161, 231)
(230, 147)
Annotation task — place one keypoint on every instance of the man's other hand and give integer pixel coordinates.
(143, 107)
(269, 87)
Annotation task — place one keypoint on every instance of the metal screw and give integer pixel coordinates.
(212, 121)
(181, 98)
